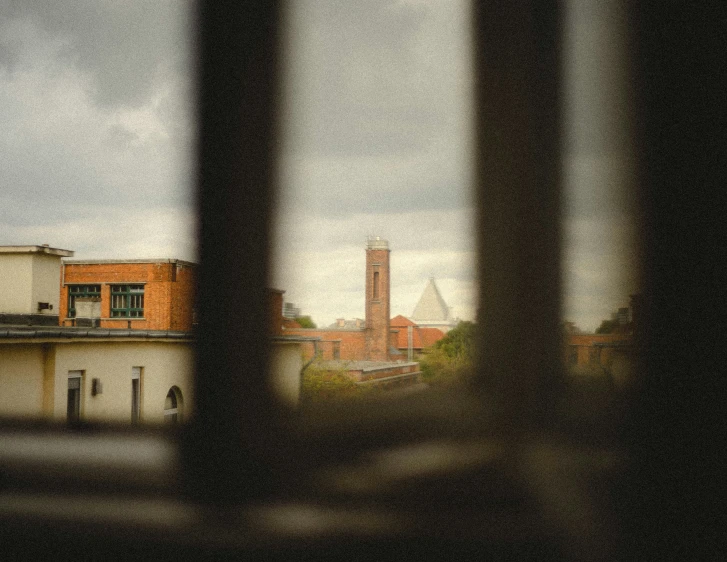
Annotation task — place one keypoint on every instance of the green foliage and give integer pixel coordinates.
(305, 322)
(607, 327)
(321, 384)
(450, 361)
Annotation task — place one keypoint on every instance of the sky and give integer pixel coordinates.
(96, 142)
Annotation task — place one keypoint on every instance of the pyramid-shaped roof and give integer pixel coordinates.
(431, 305)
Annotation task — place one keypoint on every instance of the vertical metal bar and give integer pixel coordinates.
(224, 451)
(518, 173)
(677, 431)
(410, 343)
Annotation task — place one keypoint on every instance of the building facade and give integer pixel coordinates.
(135, 294)
(412, 339)
(29, 278)
(69, 374)
(124, 349)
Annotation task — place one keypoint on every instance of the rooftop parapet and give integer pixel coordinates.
(376, 243)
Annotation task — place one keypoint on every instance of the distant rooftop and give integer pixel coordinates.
(64, 332)
(42, 249)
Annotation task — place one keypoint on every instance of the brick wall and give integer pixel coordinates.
(351, 343)
(183, 292)
(168, 292)
(585, 349)
(275, 305)
(377, 304)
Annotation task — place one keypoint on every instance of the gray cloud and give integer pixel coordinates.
(125, 47)
(96, 141)
(94, 99)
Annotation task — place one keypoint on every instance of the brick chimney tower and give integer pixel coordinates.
(377, 299)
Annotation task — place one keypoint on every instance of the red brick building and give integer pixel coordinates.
(595, 349)
(374, 341)
(155, 294)
(421, 337)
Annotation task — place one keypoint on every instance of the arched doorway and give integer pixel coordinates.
(173, 406)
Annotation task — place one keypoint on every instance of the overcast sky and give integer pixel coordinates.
(96, 136)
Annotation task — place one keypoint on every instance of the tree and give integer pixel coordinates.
(451, 359)
(607, 327)
(305, 322)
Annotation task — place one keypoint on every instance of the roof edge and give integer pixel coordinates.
(139, 260)
(42, 249)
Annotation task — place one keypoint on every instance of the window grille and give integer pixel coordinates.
(231, 452)
(127, 301)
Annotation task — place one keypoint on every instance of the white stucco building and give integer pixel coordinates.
(95, 374)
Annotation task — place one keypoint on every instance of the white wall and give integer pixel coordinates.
(46, 282)
(25, 365)
(164, 364)
(21, 380)
(286, 361)
(16, 281)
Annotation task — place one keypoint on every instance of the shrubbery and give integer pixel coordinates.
(325, 385)
(450, 361)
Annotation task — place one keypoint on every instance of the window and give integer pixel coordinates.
(76, 291)
(127, 301)
(73, 411)
(173, 406)
(376, 284)
(668, 500)
(135, 394)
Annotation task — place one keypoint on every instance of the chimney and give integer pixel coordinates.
(377, 299)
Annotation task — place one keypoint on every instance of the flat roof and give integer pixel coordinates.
(141, 260)
(364, 365)
(14, 332)
(42, 249)
(10, 332)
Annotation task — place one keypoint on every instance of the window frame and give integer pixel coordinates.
(128, 292)
(673, 418)
(72, 296)
(75, 375)
(173, 414)
(136, 394)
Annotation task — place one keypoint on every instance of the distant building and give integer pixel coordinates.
(69, 374)
(30, 279)
(290, 310)
(432, 311)
(138, 294)
(353, 324)
(132, 359)
(371, 341)
(409, 335)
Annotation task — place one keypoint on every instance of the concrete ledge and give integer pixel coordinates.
(391, 380)
(29, 319)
